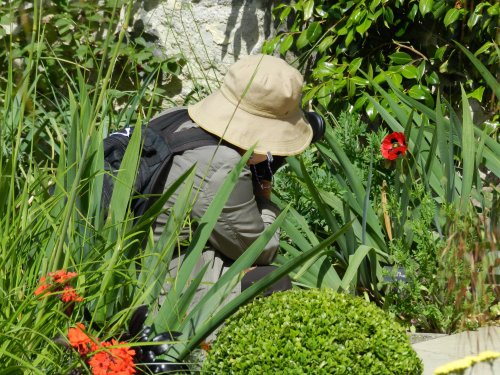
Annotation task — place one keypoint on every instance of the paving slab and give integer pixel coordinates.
(444, 349)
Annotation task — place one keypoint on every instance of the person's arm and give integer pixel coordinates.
(244, 218)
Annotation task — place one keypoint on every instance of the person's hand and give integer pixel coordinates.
(263, 189)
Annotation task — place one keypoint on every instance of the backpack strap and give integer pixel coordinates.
(166, 144)
(167, 125)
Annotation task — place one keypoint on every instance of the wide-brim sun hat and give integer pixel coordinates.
(257, 105)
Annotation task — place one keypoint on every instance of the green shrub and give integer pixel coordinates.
(312, 331)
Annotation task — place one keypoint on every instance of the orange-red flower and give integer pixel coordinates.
(113, 360)
(62, 277)
(206, 346)
(69, 294)
(393, 145)
(79, 340)
(42, 287)
(58, 281)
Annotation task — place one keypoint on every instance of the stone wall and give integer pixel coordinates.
(210, 34)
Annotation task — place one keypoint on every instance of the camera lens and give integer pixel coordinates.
(317, 124)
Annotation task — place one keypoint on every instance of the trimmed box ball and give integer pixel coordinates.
(313, 331)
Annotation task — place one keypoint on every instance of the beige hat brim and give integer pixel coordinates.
(284, 136)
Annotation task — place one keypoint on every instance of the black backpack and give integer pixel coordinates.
(160, 143)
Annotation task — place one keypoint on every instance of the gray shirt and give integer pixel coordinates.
(243, 218)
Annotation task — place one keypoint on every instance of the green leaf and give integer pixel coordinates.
(355, 260)
(489, 78)
(409, 72)
(432, 79)
(381, 77)
(388, 16)
(360, 81)
(308, 95)
(286, 44)
(324, 96)
(324, 69)
(354, 65)
(270, 45)
(314, 31)
(413, 12)
(343, 31)
(473, 19)
(417, 92)
(494, 10)
(124, 182)
(371, 111)
(308, 9)
(349, 38)
(439, 54)
(303, 40)
(284, 14)
(362, 28)
(425, 6)
(451, 16)
(468, 151)
(374, 4)
(351, 87)
(443, 68)
(325, 43)
(486, 46)
(360, 102)
(445, 156)
(400, 58)
(477, 94)
(421, 70)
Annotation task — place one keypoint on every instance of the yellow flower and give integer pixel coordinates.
(455, 366)
(461, 365)
(487, 356)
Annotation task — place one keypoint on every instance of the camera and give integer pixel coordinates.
(317, 124)
(266, 169)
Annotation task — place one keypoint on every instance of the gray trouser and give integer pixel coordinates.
(216, 268)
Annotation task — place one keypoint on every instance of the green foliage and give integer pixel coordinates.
(403, 209)
(79, 34)
(450, 284)
(439, 187)
(52, 219)
(49, 45)
(358, 144)
(311, 331)
(334, 190)
(343, 45)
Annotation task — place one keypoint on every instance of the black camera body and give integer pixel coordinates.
(266, 169)
(317, 124)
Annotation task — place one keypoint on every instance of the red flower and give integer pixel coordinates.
(393, 145)
(116, 361)
(58, 281)
(70, 295)
(206, 346)
(62, 277)
(79, 340)
(43, 286)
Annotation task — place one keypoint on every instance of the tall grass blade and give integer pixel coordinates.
(488, 77)
(355, 261)
(468, 152)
